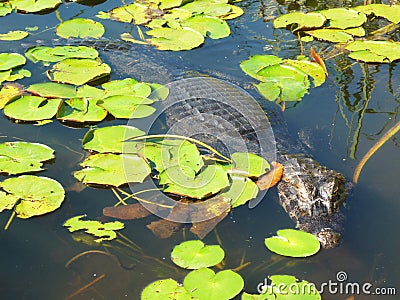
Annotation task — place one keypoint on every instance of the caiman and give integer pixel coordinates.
(217, 112)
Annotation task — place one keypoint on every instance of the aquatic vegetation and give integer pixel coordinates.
(13, 35)
(59, 53)
(104, 231)
(10, 64)
(80, 28)
(294, 243)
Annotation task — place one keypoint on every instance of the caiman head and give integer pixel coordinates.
(312, 194)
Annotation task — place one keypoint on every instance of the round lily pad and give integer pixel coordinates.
(32, 108)
(35, 6)
(331, 35)
(127, 106)
(287, 287)
(390, 12)
(22, 157)
(212, 27)
(81, 110)
(59, 53)
(309, 20)
(80, 28)
(195, 255)
(165, 289)
(205, 284)
(11, 60)
(343, 18)
(175, 39)
(78, 71)
(249, 164)
(374, 51)
(13, 35)
(33, 195)
(214, 8)
(294, 243)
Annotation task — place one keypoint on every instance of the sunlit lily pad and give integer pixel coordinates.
(195, 255)
(23, 157)
(331, 35)
(52, 90)
(59, 53)
(249, 164)
(13, 75)
(113, 169)
(110, 139)
(258, 62)
(312, 69)
(34, 6)
(175, 39)
(294, 243)
(303, 21)
(241, 191)
(214, 8)
(286, 287)
(235, 12)
(81, 110)
(374, 51)
(343, 18)
(78, 71)
(127, 86)
(32, 108)
(13, 35)
(390, 12)
(11, 60)
(208, 182)
(127, 107)
(80, 28)
(8, 93)
(32, 195)
(208, 26)
(205, 284)
(165, 289)
(132, 13)
(5, 9)
(104, 231)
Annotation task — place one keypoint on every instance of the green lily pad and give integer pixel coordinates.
(294, 243)
(8, 93)
(105, 231)
(241, 191)
(87, 91)
(258, 62)
(235, 12)
(167, 4)
(5, 9)
(13, 35)
(52, 90)
(374, 51)
(205, 284)
(195, 255)
(127, 106)
(80, 28)
(165, 289)
(390, 12)
(13, 75)
(32, 195)
(331, 35)
(249, 164)
(175, 39)
(127, 86)
(213, 8)
(59, 53)
(78, 71)
(81, 110)
(343, 18)
(270, 90)
(23, 157)
(113, 169)
(312, 69)
(136, 13)
(32, 108)
(159, 92)
(208, 26)
(11, 60)
(286, 287)
(303, 21)
(34, 6)
(110, 139)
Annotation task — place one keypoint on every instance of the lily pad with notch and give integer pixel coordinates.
(287, 287)
(374, 51)
(81, 110)
(390, 12)
(343, 18)
(302, 20)
(175, 39)
(80, 28)
(127, 106)
(212, 27)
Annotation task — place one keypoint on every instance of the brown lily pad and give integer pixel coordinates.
(164, 228)
(201, 229)
(271, 178)
(126, 212)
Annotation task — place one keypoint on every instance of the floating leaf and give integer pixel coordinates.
(34, 6)
(195, 255)
(110, 139)
(208, 26)
(32, 108)
(208, 182)
(241, 191)
(113, 169)
(390, 12)
(13, 35)
(78, 71)
(271, 178)
(80, 28)
(52, 90)
(235, 12)
(374, 51)
(294, 243)
(81, 110)
(33, 195)
(286, 287)
(331, 35)
(59, 53)
(126, 212)
(343, 18)
(9, 92)
(175, 39)
(127, 86)
(127, 106)
(5, 9)
(303, 21)
(23, 157)
(11, 60)
(313, 69)
(205, 284)
(258, 62)
(132, 13)
(15, 75)
(105, 231)
(249, 164)
(214, 8)
(165, 289)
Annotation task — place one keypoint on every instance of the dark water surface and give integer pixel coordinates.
(340, 121)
